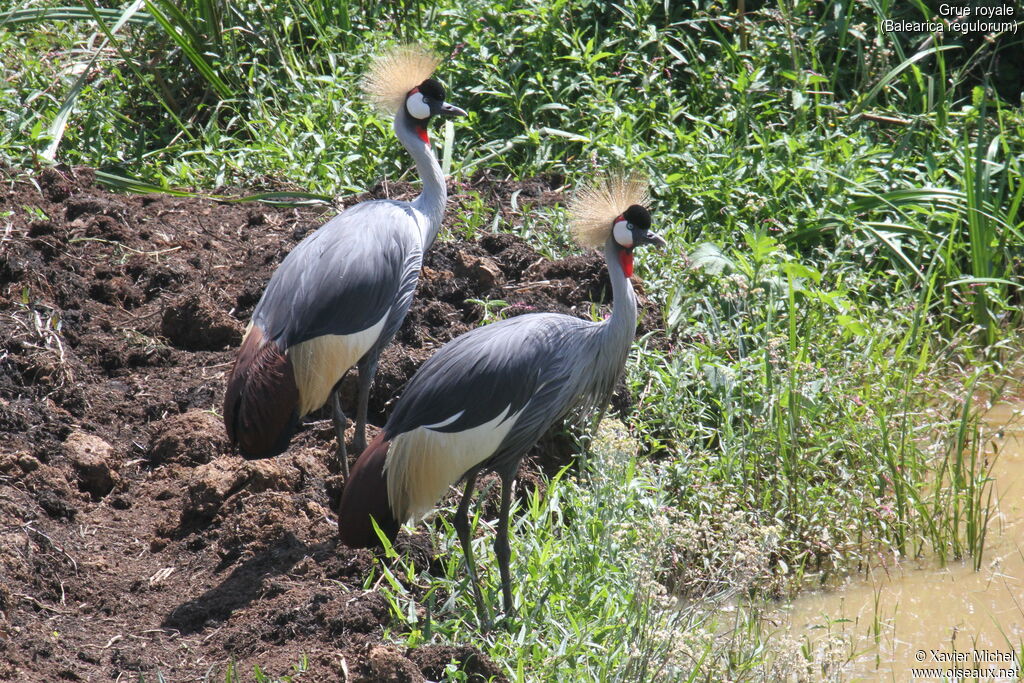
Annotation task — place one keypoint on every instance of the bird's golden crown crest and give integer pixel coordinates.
(394, 73)
(597, 204)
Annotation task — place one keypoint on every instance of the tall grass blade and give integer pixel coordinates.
(90, 5)
(894, 72)
(184, 34)
(35, 15)
(60, 121)
(124, 183)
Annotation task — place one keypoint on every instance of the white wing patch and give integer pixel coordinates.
(319, 363)
(423, 463)
(445, 422)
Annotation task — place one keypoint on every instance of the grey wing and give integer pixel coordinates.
(532, 364)
(409, 276)
(342, 278)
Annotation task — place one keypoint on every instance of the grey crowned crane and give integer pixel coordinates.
(340, 296)
(485, 398)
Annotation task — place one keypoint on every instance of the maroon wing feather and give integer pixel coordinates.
(366, 496)
(261, 405)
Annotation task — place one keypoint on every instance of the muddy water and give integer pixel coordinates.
(898, 618)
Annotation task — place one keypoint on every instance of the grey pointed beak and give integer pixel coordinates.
(451, 110)
(652, 238)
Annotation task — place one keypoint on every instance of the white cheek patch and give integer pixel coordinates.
(417, 106)
(623, 235)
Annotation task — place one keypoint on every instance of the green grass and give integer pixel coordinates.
(233, 673)
(843, 208)
(589, 583)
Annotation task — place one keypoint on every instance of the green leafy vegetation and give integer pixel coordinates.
(843, 210)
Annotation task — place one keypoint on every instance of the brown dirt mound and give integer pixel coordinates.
(133, 541)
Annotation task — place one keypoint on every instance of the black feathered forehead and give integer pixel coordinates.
(638, 216)
(433, 89)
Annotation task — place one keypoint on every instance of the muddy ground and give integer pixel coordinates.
(131, 540)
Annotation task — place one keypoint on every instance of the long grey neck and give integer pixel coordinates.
(603, 353)
(620, 327)
(432, 199)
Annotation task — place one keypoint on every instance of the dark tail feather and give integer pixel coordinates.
(261, 406)
(366, 496)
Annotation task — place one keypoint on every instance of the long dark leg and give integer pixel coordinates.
(501, 547)
(367, 370)
(340, 423)
(462, 529)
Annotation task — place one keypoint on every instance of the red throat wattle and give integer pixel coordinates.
(422, 132)
(626, 261)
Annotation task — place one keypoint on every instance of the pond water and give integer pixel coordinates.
(964, 623)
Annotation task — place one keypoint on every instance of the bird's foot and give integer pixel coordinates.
(483, 616)
(507, 621)
(485, 623)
